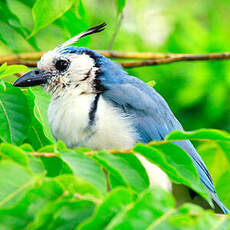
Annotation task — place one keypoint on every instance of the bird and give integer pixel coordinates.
(95, 103)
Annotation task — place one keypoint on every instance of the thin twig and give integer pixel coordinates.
(116, 151)
(86, 197)
(19, 62)
(40, 154)
(134, 54)
(106, 53)
(158, 60)
(21, 56)
(172, 59)
(118, 26)
(113, 151)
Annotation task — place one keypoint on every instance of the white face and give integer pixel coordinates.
(69, 71)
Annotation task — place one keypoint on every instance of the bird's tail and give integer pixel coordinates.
(202, 171)
(220, 204)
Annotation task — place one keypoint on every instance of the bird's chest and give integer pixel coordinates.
(79, 121)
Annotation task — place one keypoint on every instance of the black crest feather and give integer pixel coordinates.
(92, 30)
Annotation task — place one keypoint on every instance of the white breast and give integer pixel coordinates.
(69, 118)
(69, 121)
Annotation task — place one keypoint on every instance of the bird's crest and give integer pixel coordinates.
(92, 30)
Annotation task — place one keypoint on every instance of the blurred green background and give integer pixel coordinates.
(197, 92)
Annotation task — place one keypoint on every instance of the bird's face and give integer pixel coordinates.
(67, 68)
(63, 70)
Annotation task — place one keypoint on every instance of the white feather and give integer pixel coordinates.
(157, 177)
(69, 119)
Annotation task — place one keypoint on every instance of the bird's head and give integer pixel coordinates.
(67, 68)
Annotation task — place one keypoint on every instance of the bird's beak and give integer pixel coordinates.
(32, 78)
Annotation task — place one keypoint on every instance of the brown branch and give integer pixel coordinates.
(50, 155)
(113, 151)
(156, 59)
(19, 62)
(134, 55)
(22, 56)
(171, 59)
(117, 28)
(40, 154)
(106, 53)
(124, 151)
(85, 197)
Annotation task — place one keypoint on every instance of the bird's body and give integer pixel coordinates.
(96, 104)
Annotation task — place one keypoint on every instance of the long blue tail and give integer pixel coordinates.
(202, 171)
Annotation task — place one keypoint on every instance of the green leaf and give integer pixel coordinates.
(27, 147)
(41, 102)
(50, 205)
(213, 154)
(10, 22)
(36, 136)
(176, 163)
(79, 16)
(7, 36)
(35, 200)
(36, 165)
(53, 166)
(215, 157)
(14, 181)
(120, 4)
(14, 115)
(84, 167)
(126, 168)
(55, 147)
(150, 206)
(3, 68)
(113, 204)
(72, 213)
(201, 134)
(28, 3)
(78, 187)
(12, 69)
(188, 216)
(151, 83)
(46, 12)
(116, 178)
(64, 214)
(14, 153)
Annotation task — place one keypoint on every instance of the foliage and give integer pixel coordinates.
(70, 188)
(44, 185)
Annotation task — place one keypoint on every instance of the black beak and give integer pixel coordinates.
(32, 78)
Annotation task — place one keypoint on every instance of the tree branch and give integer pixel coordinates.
(41, 154)
(178, 58)
(152, 58)
(22, 56)
(117, 28)
(19, 62)
(106, 53)
(114, 151)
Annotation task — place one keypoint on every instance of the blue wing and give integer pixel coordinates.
(153, 118)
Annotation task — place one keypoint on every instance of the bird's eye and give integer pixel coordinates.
(61, 65)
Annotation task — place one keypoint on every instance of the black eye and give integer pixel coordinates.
(62, 65)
